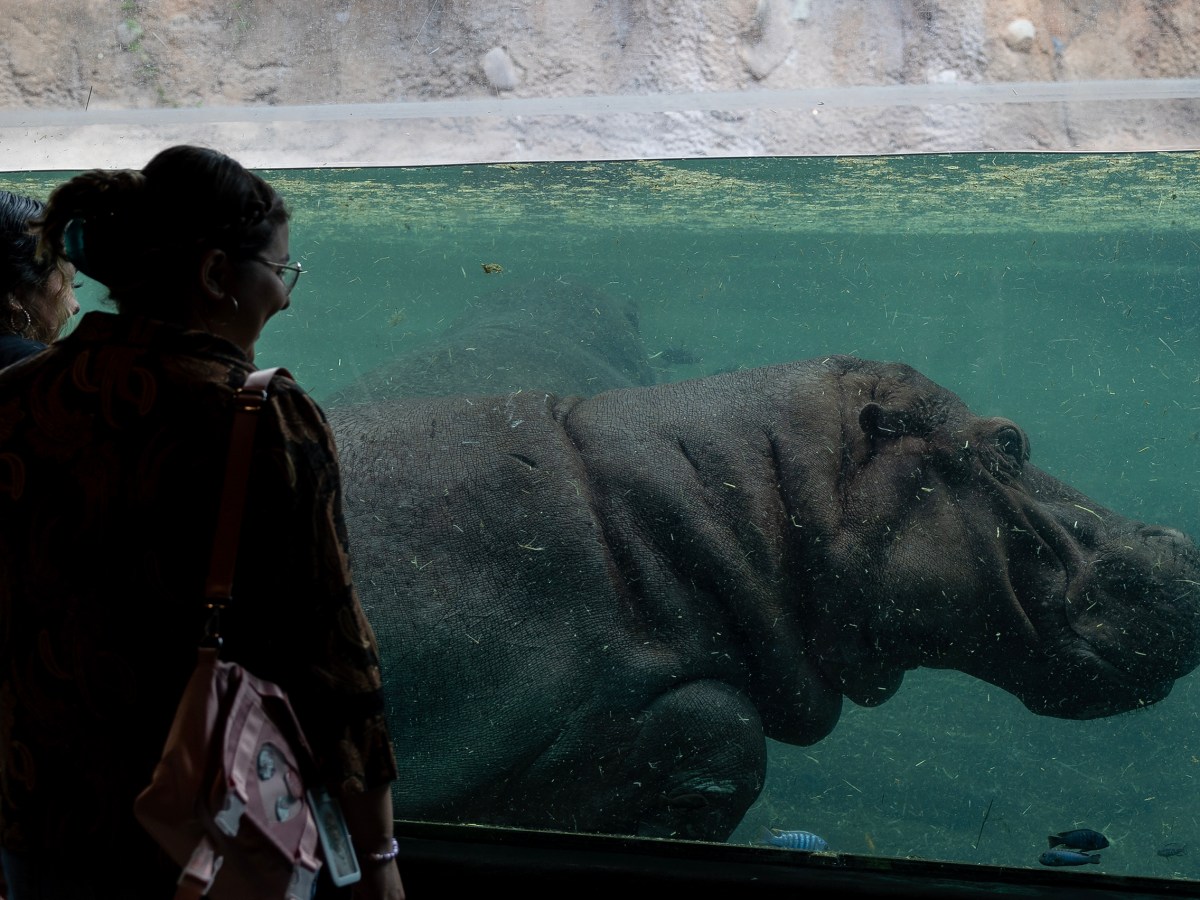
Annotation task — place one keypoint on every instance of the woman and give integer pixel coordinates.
(38, 295)
(112, 451)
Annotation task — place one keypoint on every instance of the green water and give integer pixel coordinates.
(1059, 291)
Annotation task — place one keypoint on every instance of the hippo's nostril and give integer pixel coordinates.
(1165, 533)
(1170, 551)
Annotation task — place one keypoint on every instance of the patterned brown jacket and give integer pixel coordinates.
(112, 452)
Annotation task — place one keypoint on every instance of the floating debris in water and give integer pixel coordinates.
(675, 356)
(794, 840)
(492, 268)
(1172, 849)
(1079, 839)
(1067, 858)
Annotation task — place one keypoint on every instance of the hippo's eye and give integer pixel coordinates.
(1011, 442)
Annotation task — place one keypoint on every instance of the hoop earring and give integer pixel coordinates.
(12, 320)
(225, 320)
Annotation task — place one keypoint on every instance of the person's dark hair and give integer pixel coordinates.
(20, 269)
(137, 233)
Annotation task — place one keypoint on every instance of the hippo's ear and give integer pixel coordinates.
(878, 423)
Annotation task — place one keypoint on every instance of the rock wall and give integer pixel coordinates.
(193, 58)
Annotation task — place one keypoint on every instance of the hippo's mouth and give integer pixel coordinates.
(1127, 625)
(1101, 689)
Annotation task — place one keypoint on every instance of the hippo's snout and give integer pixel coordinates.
(1138, 606)
(1154, 551)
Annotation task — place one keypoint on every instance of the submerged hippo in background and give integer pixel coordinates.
(547, 332)
(592, 612)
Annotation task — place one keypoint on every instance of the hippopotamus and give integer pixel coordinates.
(558, 332)
(594, 610)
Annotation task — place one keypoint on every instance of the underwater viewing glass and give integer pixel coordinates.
(1056, 290)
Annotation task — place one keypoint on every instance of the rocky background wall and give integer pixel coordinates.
(224, 71)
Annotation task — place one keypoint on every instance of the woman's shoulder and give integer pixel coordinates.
(284, 386)
(14, 348)
(298, 412)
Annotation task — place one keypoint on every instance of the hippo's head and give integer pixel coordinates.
(978, 561)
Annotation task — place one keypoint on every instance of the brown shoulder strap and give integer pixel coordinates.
(250, 397)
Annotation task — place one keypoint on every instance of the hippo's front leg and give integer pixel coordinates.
(697, 762)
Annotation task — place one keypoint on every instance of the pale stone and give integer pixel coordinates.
(499, 69)
(128, 33)
(769, 39)
(1019, 35)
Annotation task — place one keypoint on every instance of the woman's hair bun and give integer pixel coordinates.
(132, 230)
(96, 221)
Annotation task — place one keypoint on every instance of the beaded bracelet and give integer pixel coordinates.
(383, 856)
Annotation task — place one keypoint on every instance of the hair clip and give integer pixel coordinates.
(73, 244)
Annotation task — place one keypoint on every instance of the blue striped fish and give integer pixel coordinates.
(1068, 858)
(794, 840)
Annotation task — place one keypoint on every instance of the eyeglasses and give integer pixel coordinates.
(289, 273)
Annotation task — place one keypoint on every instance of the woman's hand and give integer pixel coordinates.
(380, 881)
(369, 819)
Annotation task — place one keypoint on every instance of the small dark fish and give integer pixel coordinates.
(1172, 849)
(794, 840)
(1067, 858)
(1079, 839)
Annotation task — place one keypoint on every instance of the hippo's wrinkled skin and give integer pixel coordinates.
(593, 611)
